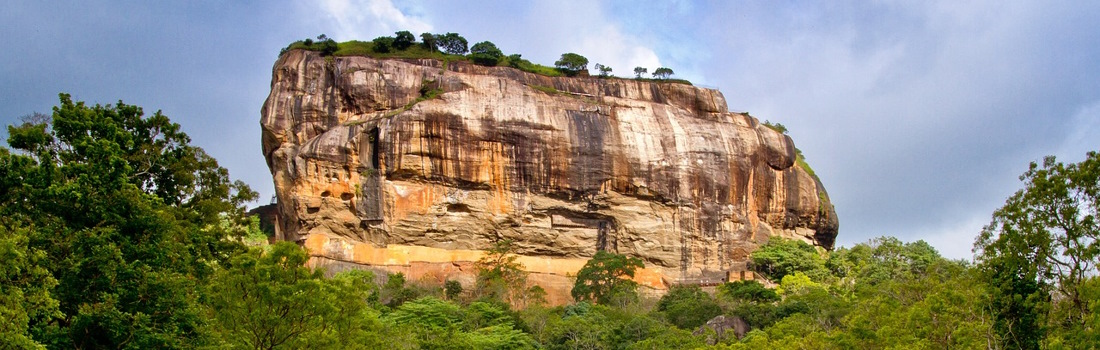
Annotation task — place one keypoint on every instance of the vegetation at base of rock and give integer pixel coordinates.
(781, 257)
(606, 279)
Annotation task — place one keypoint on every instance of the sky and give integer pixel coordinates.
(917, 116)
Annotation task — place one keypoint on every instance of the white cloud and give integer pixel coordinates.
(607, 45)
(1084, 130)
(367, 19)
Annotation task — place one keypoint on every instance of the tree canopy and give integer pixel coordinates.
(485, 53)
(452, 43)
(403, 40)
(1041, 250)
(125, 215)
(663, 73)
(606, 278)
(571, 64)
(605, 71)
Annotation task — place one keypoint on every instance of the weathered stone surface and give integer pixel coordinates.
(562, 166)
(721, 327)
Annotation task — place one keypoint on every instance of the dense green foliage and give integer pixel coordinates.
(605, 279)
(116, 220)
(688, 307)
(268, 300)
(782, 257)
(1040, 255)
(485, 53)
(452, 43)
(571, 64)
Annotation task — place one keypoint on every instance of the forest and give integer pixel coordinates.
(117, 233)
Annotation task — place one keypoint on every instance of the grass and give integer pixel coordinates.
(801, 161)
(778, 127)
(547, 89)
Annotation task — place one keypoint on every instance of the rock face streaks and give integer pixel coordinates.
(454, 156)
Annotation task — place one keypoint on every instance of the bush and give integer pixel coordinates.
(383, 44)
(751, 291)
(780, 257)
(688, 307)
(485, 53)
(403, 40)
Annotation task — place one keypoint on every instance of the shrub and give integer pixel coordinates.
(747, 291)
(781, 257)
(403, 40)
(383, 44)
(688, 307)
(485, 53)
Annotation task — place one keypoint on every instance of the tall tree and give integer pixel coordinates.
(452, 43)
(485, 53)
(606, 278)
(663, 73)
(1044, 241)
(500, 276)
(571, 64)
(638, 71)
(128, 217)
(605, 71)
(429, 42)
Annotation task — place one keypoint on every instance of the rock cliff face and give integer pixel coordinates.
(418, 165)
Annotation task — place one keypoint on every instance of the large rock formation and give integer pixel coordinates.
(419, 165)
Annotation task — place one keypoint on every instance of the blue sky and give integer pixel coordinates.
(917, 116)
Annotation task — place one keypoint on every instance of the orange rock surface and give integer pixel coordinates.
(371, 170)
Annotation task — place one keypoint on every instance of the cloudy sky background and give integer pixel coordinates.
(917, 116)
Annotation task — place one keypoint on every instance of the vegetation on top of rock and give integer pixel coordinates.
(454, 47)
(663, 73)
(486, 54)
(571, 64)
(799, 159)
